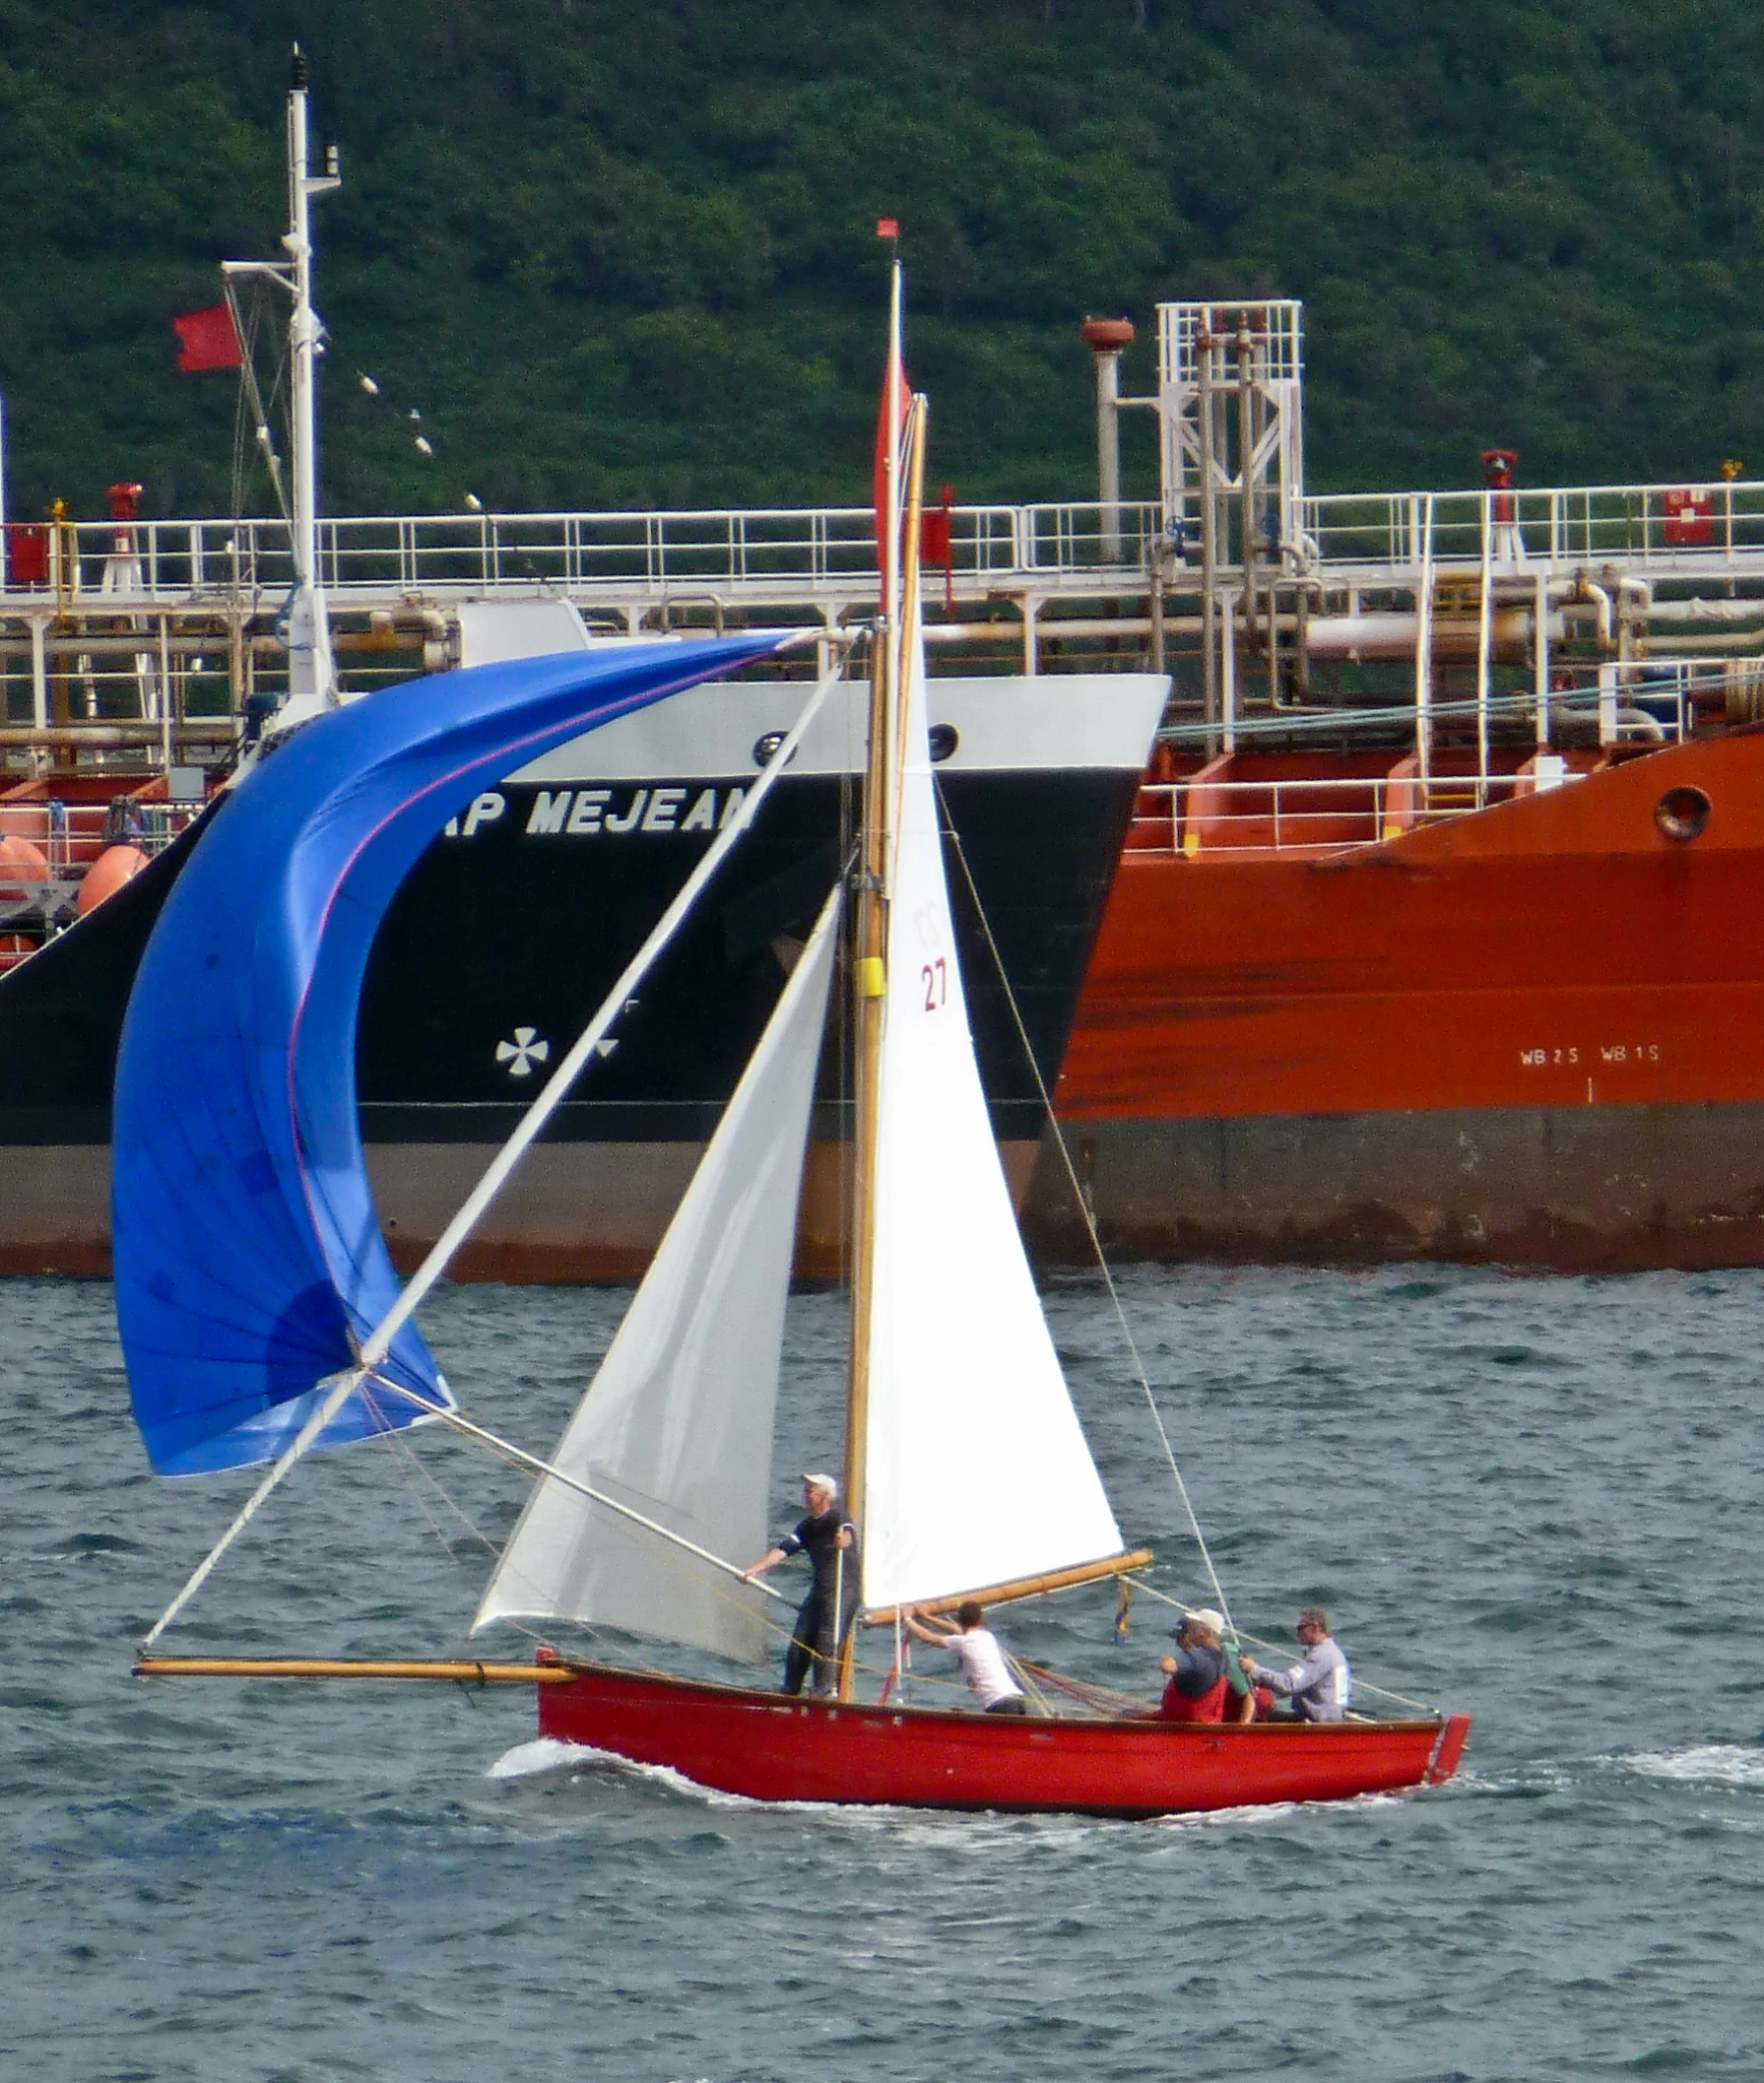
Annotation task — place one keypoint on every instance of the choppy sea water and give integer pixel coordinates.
(1536, 1499)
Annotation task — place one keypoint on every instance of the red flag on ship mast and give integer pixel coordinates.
(205, 339)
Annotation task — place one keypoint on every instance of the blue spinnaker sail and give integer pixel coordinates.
(249, 1261)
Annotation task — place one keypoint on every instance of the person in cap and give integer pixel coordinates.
(976, 1646)
(1199, 1673)
(1320, 1687)
(826, 1537)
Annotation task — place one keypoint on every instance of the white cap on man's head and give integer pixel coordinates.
(821, 1482)
(1209, 1619)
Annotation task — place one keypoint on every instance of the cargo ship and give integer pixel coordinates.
(1530, 1034)
(1428, 935)
(1432, 935)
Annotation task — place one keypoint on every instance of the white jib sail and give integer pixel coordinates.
(977, 1472)
(678, 1421)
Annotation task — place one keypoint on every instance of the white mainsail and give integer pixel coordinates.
(678, 1421)
(976, 1471)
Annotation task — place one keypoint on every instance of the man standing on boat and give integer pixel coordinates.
(829, 1539)
(1319, 1688)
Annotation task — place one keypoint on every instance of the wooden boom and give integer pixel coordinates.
(1023, 1587)
(460, 1673)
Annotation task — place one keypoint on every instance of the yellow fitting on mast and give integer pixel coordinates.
(872, 973)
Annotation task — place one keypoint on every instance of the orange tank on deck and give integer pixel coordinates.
(1326, 1017)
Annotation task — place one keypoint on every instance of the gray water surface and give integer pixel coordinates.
(1535, 1499)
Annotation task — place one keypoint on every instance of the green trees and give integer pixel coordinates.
(621, 250)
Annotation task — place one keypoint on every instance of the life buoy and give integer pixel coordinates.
(107, 874)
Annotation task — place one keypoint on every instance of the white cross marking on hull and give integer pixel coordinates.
(526, 1050)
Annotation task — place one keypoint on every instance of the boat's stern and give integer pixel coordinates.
(1448, 1750)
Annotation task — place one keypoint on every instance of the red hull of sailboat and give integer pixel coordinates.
(767, 1748)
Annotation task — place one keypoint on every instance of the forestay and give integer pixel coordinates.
(678, 1421)
(976, 1469)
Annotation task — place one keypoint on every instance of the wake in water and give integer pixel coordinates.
(543, 1755)
(548, 1754)
(1702, 1765)
(1278, 1811)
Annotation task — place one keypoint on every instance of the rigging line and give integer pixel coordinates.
(557, 1086)
(1100, 1698)
(1032, 1690)
(515, 1457)
(341, 1387)
(458, 1421)
(414, 1470)
(666, 1561)
(243, 422)
(248, 374)
(1083, 1204)
(408, 1474)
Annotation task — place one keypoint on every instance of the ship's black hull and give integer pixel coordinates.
(500, 947)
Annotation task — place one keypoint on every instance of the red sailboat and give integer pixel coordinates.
(773, 1749)
(951, 1369)
(664, 1472)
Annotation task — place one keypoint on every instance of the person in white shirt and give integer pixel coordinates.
(1321, 1684)
(982, 1661)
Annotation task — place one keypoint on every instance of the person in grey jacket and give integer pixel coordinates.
(1320, 1687)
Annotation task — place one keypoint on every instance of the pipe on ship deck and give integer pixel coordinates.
(1393, 634)
(116, 737)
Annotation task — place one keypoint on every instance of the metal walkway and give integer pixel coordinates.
(821, 562)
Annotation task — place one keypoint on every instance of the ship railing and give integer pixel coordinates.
(1204, 816)
(66, 838)
(1662, 528)
(107, 687)
(70, 836)
(814, 551)
(829, 553)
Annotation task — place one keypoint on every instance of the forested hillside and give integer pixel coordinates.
(622, 251)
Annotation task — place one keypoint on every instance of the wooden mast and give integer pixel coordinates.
(881, 798)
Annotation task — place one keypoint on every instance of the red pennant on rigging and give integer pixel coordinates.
(205, 339)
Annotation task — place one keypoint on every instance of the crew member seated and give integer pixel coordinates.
(1320, 1687)
(1199, 1673)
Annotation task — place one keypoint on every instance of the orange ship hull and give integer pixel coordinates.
(1534, 1032)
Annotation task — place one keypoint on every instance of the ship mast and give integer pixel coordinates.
(311, 676)
(882, 802)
